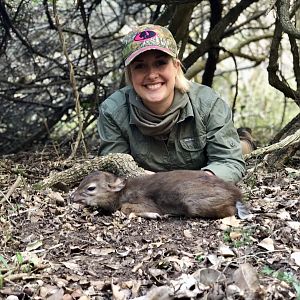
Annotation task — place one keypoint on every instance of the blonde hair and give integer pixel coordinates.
(181, 82)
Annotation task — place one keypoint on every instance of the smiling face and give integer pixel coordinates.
(152, 75)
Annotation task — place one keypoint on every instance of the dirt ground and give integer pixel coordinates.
(53, 249)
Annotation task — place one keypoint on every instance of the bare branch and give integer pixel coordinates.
(273, 67)
(80, 136)
(199, 65)
(283, 7)
(216, 34)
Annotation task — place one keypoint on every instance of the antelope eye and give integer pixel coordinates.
(91, 188)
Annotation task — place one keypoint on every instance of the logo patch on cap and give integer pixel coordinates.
(148, 37)
(144, 35)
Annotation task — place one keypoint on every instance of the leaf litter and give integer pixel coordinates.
(54, 249)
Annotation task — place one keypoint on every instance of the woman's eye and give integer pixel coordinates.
(138, 66)
(161, 62)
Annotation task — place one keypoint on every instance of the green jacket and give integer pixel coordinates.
(204, 137)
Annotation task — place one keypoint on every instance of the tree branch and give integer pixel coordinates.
(213, 53)
(288, 141)
(216, 34)
(283, 7)
(273, 67)
(120, 164)
(80, 136)
(199, 65)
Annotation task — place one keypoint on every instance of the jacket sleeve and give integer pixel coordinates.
(112, 140)
(223, 147)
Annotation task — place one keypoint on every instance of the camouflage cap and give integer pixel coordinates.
(148, 37)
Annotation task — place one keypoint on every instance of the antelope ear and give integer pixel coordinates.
(117, 185)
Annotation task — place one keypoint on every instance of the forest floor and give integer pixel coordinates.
(53, 249)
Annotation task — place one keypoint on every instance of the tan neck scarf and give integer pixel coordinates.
(158, 126)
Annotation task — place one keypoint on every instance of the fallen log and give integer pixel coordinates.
(120, 164)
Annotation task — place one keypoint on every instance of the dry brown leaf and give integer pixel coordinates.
(101, 251)
(73, 277)
(231, 221)
(77, 294)
(293, 171)
(294, 225)
(156, 272)
(60, 282)
(234, 235)
(187, 286)
(114, 266)
(215, 260)
(84, 297)
(232, 290)
(284, 215)
(137, 267)
(159, 293)
(34, 245)
(187, 233)
(223, 227)
(57, 295)
(296, 257)
(12, 297)
(136, 285)
(118, 293)
(47, 290)
(56, 197)
(245, 277)
(267, 244)
(98, 284)
(225, 251)
(36, 214)
(72, 266)
(181, 264)
(123, 253)
(209, 276)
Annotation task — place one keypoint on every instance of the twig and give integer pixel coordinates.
(289, 140)
(271, 6)
(262, 252)
(25, 276)
(11, 190)
(80, 136)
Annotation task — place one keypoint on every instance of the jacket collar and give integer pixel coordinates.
(186, 112)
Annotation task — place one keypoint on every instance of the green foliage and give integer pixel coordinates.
(19, 258)
(287, 277)
(267, 270)
(226, 237)
(258, 106)
(3, 261)
(245, 238)
(199, 258)
(18, 264)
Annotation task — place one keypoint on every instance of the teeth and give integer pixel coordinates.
(153, 86)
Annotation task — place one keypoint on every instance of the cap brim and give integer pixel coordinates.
(132, 56)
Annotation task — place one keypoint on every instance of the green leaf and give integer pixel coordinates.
(3, 261)
(20, 258)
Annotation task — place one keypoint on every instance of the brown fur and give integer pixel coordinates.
(246, 139)
(181, 193)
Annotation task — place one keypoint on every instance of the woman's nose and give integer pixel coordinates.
(152, 73)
